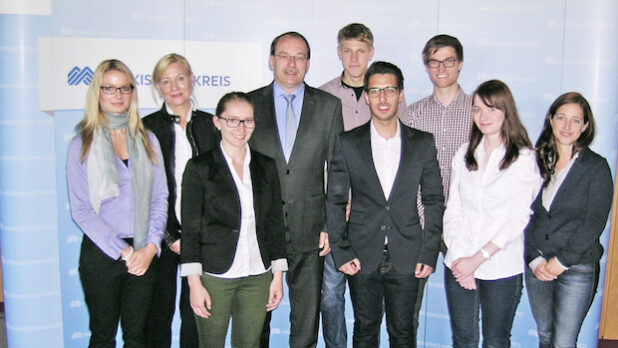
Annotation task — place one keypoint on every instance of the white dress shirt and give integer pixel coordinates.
(386, 155)
(182, 154)
(490, 204)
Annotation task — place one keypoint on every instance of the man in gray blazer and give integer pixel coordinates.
(382, 247)
(296, 125)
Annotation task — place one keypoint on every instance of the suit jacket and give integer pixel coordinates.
(302, 179)
(577, 216)
(372, 216)
(202, 137)
(211, 211)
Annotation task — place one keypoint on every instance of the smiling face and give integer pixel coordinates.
(239, 136)
(355, 55)
(116, 103)
(443, 77)
(383, 107)
(290, 63)
(568, 124)
(176, 85)
(488, 119)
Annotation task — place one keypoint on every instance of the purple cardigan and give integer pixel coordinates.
(115, 220)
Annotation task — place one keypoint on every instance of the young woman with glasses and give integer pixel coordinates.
(118, 198)
(233, 239)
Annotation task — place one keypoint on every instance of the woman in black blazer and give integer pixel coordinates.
(233, 235)
(562, 246)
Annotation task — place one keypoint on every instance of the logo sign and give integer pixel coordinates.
(67, 65)
(77, 76)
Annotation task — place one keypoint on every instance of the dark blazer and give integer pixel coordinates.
(578, 214)
(202, 136)
(373, 217)
(302, 179)
(211, 211)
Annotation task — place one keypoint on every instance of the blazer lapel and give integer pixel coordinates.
(257, 183)
(222, 180)
(364, 147)
(406, 158)
(578, 169)
(268, 124)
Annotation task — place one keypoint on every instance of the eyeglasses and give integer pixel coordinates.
(234, 122)
(112, 90)
(389, 91)
(298, 59)
(448, 63)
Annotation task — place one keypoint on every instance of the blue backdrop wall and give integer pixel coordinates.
(49, 47)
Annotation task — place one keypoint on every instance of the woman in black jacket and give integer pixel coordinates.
(562, 248)
(183, 132)
(233, 234)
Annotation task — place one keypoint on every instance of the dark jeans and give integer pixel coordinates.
(397, 292)
(497, 299)
(304, 280)
(560, 306)
(112, 294)
(333, 306)
(163, 305)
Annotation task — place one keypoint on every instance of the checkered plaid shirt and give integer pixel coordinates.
(450, 126)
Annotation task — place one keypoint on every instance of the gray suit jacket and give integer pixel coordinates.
(302, 179)
(374, 217)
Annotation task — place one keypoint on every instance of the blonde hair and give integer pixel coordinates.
(160, 67)
(95, 118)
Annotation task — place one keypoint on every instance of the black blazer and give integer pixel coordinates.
(571, 228)
(211, 211)
(302, 179)
(373, 217)
(202, 137)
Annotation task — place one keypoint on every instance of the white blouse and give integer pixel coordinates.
(490, 204)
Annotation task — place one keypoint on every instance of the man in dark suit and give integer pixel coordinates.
(296, 125)
(382, 248)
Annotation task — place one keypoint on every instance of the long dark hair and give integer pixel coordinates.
(546, 151)
(496, 94)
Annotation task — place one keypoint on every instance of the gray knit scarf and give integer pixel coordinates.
(103, 174)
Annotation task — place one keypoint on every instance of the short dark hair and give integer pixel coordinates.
(273, 45)
(231, 96)
(439, 41)
(546, 149)
(380, 67)
(355, 31)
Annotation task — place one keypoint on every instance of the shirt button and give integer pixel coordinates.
(387, 208)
